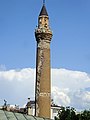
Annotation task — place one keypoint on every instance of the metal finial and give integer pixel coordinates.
(43, 2)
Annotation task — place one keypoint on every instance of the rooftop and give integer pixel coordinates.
(5, 115)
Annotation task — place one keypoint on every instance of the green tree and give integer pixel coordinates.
(71, 114)
(85, 115)
(67, 114)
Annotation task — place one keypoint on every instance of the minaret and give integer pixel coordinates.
(43, 36)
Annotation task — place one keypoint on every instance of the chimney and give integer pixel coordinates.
(29, 109)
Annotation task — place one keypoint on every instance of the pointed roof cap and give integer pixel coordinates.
(43, 11)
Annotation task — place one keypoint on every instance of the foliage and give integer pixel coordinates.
(71, 114)
(85, 115)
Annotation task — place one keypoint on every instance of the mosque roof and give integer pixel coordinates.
(5, 115)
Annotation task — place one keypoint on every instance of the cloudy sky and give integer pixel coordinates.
(70, 51)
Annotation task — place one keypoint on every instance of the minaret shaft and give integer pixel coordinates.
(43, 84)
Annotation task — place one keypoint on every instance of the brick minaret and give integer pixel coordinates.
(43, 36)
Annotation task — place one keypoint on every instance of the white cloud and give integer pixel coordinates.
(70, 79)
(19, 75)
(17, 85)
(60, 97)
(81, 99)
(68, 87)
(73, 84)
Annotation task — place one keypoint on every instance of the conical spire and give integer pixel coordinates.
(43, 11)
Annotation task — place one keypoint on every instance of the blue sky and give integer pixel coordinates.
(70, 45)
(70, 23)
